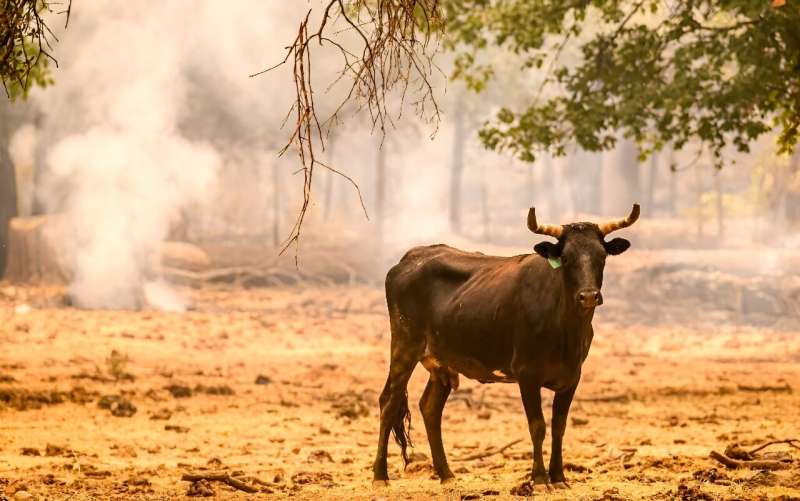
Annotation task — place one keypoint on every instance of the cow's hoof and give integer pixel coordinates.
(448, 480)
(560, 485)
(378, 484)
(542, 487)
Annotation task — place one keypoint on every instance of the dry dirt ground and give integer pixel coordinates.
(654, 401)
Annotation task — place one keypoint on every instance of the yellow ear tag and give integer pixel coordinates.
(555, 263)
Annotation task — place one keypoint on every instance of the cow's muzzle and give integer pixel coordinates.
(589, 298)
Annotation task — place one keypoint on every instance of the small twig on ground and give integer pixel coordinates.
(475, 404)
(463, 396)
(756, 464)
(784, 388)
(490, 451)
(622, 397)
(76, 466)
(220, 477)
(791, 442)
(256, 480)
(627, 454)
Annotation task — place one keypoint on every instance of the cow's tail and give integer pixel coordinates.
(401, 423)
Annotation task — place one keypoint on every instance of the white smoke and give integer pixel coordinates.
(152, 113)
(121, 170)
(22, 145)
(125, 188)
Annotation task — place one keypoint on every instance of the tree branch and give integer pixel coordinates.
(394, 37)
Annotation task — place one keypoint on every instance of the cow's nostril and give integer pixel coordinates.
(589, 297)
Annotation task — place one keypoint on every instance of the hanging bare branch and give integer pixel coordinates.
(397, 40)
(25, 41)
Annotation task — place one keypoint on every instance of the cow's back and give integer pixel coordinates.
(430, 275)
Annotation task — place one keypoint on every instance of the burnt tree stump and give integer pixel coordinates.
(31, 256)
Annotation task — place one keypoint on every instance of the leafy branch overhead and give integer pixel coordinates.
(723, 72)
(26, 44)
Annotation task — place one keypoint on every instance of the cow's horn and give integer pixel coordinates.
(542, 229)
(606, 228)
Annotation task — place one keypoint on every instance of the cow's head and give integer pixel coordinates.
(581, 252)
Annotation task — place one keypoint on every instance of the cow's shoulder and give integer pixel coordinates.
(426, 252)
(442, 261)
(444, 256)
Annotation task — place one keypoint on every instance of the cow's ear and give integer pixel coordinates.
(547, 249)
(617, 246)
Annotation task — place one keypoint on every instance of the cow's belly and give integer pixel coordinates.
(468, 339)
(488, 359)
(445, 364)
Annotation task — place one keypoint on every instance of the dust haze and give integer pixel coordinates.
(154, 124)
(158, 329)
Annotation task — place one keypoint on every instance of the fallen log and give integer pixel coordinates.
(182, 256)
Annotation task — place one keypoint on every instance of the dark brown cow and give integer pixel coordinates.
(524, 319)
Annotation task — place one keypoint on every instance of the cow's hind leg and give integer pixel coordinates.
(432, 404)
(395, 415)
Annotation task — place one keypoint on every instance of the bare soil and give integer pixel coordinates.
(281, 384)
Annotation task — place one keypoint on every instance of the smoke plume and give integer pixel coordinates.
(118, 165)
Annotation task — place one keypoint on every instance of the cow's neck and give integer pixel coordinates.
(566, 319)
(574, 323)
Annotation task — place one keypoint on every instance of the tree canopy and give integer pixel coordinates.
(722, 72)
(718, 73)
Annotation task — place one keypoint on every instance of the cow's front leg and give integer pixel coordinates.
(532, 401)
(561, 404)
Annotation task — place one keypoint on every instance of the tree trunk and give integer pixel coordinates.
(720, 206)
(672, 205)
(630, 172)
(276, 204)
(698, 188)
(380, 193)
(553, 202)
(597, 184)
(328, 200)
(793, 195)
(573, 174)
(621, 179)
(8, 199)
(457, 170)
(485, 206)
(651, 183)
(530, 191)
(31, 258)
